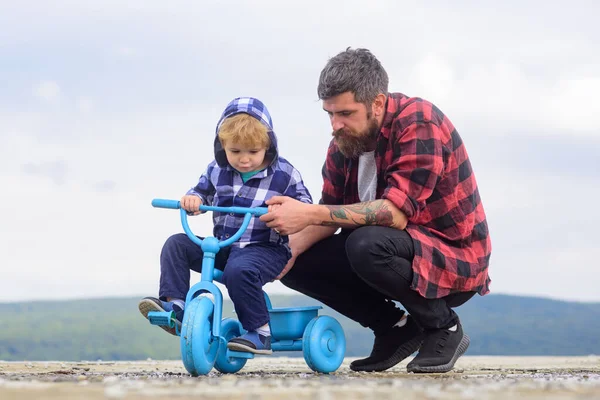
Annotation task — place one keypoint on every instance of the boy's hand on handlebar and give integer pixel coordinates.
(191, 204)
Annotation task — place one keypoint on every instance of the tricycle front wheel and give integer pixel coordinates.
(198, 346)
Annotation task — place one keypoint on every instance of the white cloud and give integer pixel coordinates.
(127, 52)
(48, 91)
(501, 95)
(572, 103)
(56, 171)
(433, 75)
(84, 104)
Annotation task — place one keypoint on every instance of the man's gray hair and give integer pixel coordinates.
(357, 71)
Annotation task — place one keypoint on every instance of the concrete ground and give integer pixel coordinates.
(277, 378)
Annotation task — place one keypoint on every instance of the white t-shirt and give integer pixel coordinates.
(367, 176)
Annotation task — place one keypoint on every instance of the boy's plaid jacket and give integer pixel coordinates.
(221, 185)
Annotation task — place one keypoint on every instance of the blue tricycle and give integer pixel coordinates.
(204, 336)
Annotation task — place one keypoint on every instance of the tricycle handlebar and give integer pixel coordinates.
(248, 213)
(175, 204)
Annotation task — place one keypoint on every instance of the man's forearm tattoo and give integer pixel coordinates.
(367, 213)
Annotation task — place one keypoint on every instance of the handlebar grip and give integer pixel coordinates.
(163, 203)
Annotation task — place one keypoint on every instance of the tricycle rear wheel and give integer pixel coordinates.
(324, 344)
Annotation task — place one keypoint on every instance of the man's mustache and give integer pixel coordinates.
(339, 133)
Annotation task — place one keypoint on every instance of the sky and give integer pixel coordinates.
(105, 105)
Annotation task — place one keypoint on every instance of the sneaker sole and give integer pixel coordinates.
(400, 354)
(247, 349)
(460, 350)
(145, 306)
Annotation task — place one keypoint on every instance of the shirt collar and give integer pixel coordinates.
(392, 108)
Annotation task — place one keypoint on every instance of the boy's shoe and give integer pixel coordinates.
(441, 348)
(251, 342)
(148, 304)
(391, 347)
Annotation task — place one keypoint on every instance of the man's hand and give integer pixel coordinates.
(191, 204)
(286, 215)
(304, 240)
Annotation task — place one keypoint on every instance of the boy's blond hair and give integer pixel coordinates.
(245, 130)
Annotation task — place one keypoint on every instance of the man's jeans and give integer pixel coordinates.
(358, 273)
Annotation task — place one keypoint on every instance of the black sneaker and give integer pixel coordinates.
(440, 350)
(148, 304)
(391, 347)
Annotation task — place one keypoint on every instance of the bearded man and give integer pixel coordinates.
(398, 182)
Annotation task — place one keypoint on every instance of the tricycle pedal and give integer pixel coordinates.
(239, 354)
(162, 318)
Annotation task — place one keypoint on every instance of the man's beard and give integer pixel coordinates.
(352, 145)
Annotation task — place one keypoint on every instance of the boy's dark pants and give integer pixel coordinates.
(245, 271)
(358, 273)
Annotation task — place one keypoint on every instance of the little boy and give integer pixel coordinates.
(246, 172)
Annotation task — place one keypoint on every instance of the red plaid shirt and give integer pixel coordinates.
(423, 168)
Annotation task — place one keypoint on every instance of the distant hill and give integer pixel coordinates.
(113, 329)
